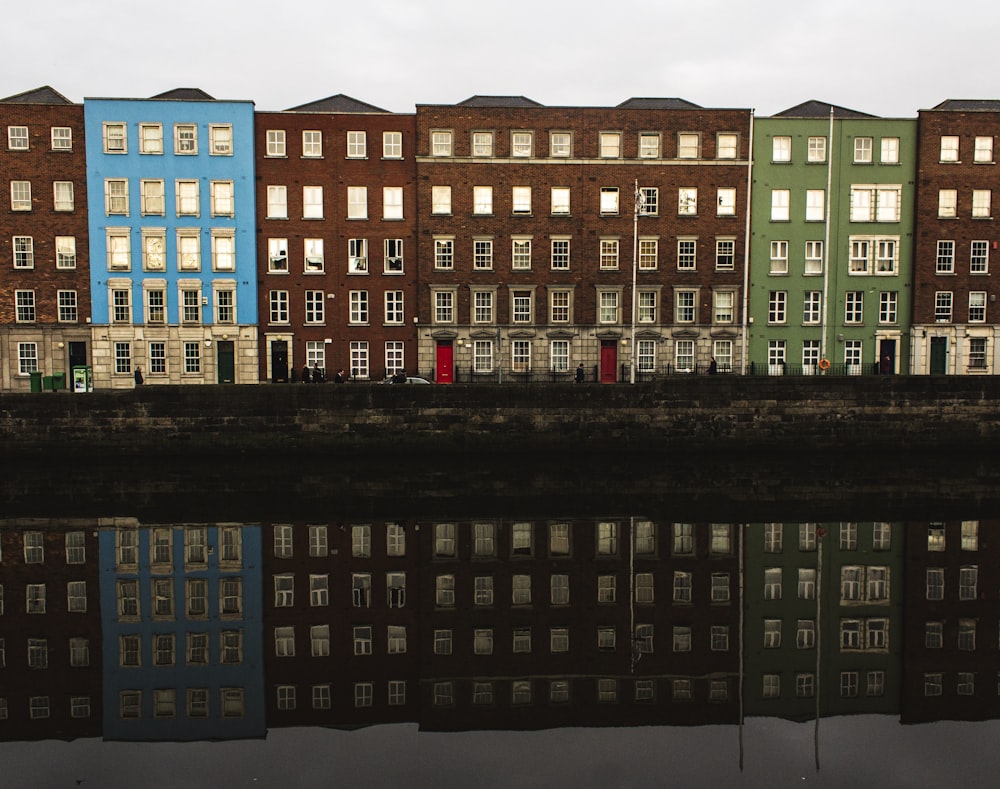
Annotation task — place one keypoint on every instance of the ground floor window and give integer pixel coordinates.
(646, 355)
(684, 355)
(852, 356)
(776, 357)
(482, 356)
(359, 360)
(123, 357)
(192, 357)
(157, 358)
(722, 352)
(27, 357)
(394, 360)
(977, 353)
(810, 356)
(521, 355)
(316, 354)
(559, 352)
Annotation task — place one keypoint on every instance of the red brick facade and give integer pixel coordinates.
(328, 165)
(42, 151)
(963, 175)
(558, 154)
(50, 630)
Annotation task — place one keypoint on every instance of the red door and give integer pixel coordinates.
(609, 361)
(443, 364)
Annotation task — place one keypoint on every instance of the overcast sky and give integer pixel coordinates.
(885, 57)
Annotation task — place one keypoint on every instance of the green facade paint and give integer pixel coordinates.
(830, 276)
(810, 587)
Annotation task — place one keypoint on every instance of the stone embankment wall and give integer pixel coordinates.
(680, 415)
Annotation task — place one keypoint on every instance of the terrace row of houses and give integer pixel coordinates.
(205, 242)
(213, 631)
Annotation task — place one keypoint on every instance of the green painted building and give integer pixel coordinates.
(829, 278)
(823, 619)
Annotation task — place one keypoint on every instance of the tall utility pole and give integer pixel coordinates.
(640, 205)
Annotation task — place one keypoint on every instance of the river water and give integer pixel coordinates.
(443, 690)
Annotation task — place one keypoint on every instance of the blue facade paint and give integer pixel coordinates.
(214, 675)
(168, 166)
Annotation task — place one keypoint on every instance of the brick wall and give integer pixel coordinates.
(676, 417)
(964, 176)
(42, 166)
(334, 171)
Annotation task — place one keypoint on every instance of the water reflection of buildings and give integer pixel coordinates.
(217, 631)
(181, 618)
(50, 630)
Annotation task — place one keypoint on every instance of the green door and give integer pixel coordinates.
(939, 355)
(226, 358)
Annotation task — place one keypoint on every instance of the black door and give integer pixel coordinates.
(939, 355)
(887, 357)
(225, 357)
(279, 362)
(77, 355)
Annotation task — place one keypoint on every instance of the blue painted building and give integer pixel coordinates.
(172, 239)
(182, 622)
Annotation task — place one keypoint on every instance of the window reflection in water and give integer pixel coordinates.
(189, 631)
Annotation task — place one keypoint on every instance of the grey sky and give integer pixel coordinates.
(886, 57)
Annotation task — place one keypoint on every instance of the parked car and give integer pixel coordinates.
(405, 379)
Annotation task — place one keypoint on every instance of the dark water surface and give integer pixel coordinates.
(589, 746)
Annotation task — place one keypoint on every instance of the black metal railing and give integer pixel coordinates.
(591, 374)
(763, 368)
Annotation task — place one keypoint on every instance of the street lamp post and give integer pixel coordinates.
(639, 207)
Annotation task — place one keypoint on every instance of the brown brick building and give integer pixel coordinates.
(44, 259)
(50, 630)
(612, 621)
(336, 203)
(527, 227)
(951, 661)
(340, 623)
(954, 327)
(497, 623)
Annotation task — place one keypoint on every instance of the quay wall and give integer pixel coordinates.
(686, 414)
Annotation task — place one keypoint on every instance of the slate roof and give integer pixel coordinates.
(658, 104)
(42, 95)
(338, 103)
(820, 109)
(499, 101)
(967, 105)
(185, 94)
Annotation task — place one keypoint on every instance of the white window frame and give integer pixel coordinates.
(275, 143)
(357, 202)
(115, 137)
(220, 139)
(185, 139)
(62, 138)
(357, 145)
(392, 145)
(781, 148)
(392, 202)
